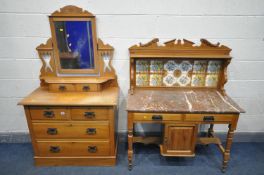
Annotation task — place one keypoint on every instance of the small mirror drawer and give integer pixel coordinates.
(87, 130)
(88, 87)
(91, 113)
(74, 148)
(49, 113)
(61, 87)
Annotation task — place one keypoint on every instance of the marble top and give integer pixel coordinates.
(182, 101)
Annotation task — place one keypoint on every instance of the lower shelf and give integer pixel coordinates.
(75, 161)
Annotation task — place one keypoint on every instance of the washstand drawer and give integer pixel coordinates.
(49, 113)
(157, 117)
(73, 148)
(61, 87)
(93, 130)
(210, 117)
(88, 87)
(90, 113)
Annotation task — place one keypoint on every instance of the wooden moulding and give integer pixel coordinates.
(71, 11)
(179, 48)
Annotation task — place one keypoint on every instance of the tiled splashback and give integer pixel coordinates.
(198, 73)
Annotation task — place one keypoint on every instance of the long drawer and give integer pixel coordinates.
(73, 148)
(210, 117)
(91, 129)
(157, 117)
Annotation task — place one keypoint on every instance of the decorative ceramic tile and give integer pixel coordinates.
(142, 66)
(155, 80)
(185, 66)
(184, 80)
(169, 80)
(211, 80)
(170, 66)
(142, 79)
(213, 66)
(198, 80)
(199, 66)
(156, 66)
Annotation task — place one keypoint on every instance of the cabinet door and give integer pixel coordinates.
(179, 140)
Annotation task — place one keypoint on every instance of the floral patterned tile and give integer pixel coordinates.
(199, 66)
(198, 80)
(214, 66)
(184, 80)
(142, 66)
(156, 66)
(169, 80)
(211, 80)
(170, 66)
(142, 79)
(185, 66)
(155, 80)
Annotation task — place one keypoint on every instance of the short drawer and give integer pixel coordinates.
(87, 87)
(49, 113)
(91, 113)
(73, 148)
(210, 117)
(62, 87)
(93, 130)
(157, 117)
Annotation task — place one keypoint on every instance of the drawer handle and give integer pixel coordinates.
(48, 114)
(208, 118)
(157, 117)
(91, 131)
(92, 149)
(52, 131)
(54, 149)
(89, 115)
(86, 88)
(62, 88)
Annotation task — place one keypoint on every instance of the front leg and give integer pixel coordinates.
(226, 154)
(130, 128)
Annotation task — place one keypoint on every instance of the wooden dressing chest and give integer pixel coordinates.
(180, 86)
(72, 116)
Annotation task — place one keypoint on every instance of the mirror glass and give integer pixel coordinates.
(75, 44)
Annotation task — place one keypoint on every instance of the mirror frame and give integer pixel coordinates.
(95, 70)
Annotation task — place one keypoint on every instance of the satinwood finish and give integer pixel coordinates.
(72, 116)
(180, 108)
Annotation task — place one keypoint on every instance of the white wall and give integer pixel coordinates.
(238, 24)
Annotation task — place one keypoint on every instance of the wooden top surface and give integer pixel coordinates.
(182, 101)
(92, 80)
(41, 96)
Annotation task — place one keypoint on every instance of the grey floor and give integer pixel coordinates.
(246, 158)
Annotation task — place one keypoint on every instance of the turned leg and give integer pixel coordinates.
(130, 141)
(226, 154)
(210, 130)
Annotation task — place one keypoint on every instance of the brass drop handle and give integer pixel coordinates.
(52, 131)
(157, 117)
(208, 118)
(62, 88)
(48, 114)
(86, 88)
(54, 149)
(91, 131)
(89, 115)
(92, 149)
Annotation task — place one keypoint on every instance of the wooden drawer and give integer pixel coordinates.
(210, 117)
(49, 113)
(90, 113)
(88, 87)
(157, 117)
(73, 148)
(93, 130)
(61, 87)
